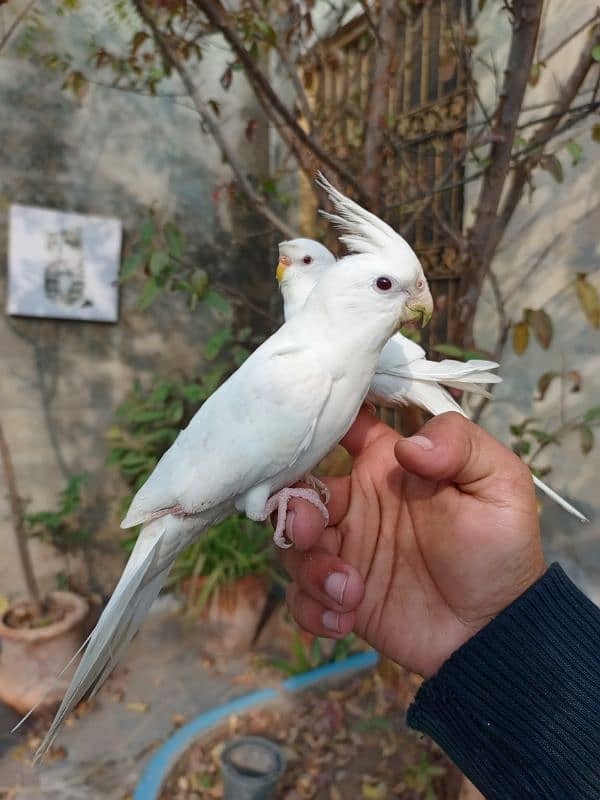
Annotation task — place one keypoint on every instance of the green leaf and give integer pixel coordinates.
(215, 300)
(199, 282)
(522, 448)
(587, 439)
(551, 163)
(216, 343)
(575, 150)
(520, 337)
(175, 240)
(596, 132)
(596, 52)
(592, 414)
(149, 293)
(132, 264)
(534, 75)
(193, 394)
(543, 437)
(158, 261)
(147, 230)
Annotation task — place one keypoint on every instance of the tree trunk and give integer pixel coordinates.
(16, 514)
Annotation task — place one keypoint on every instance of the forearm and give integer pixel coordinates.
(518, 706)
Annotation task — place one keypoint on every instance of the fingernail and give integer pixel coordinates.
(331, 620)
(335, 586)
(421, 441)
(289, 525)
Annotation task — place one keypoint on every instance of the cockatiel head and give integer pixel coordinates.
(302, 262)
(376, 242)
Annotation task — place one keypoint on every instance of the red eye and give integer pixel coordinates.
(307, 259)
(384, 284)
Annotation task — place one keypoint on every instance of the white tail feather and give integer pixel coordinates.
(109, 638)
(436, 404)
(549, 492)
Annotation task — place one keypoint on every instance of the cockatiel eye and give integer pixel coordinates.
(307, 260)
(383, 284)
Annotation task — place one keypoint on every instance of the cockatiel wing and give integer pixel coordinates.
(198, 472)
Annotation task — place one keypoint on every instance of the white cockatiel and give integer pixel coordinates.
(403, 374)
(263, 430)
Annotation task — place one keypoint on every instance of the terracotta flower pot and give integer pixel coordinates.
(233, 611)
(31, 658)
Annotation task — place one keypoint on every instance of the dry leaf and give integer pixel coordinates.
(589, 299)
(520, 337)
(542, 327)
(139, 708)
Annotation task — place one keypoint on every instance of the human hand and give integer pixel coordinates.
(430, 537)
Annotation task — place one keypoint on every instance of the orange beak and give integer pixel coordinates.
(284, 263)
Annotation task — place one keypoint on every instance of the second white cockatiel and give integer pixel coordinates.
(403, 374)
(262, 431)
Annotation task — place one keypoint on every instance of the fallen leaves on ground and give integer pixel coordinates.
(346, 742)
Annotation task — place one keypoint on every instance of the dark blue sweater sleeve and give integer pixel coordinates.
(517, 707)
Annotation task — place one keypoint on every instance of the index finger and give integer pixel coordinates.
(365, 431)
(306, 526)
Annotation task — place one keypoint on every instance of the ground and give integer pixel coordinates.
(166, 680)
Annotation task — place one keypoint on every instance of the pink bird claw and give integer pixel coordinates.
(279, 502)
(319, 487)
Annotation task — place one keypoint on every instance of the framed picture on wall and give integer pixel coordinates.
(63, 265)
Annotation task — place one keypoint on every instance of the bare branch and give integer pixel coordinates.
(292, 74)
(212, 124)
(16, 514)
(570, 37)
(547, 129)
(371, 24)
(16, 22)
(518, 69)
(217, 16)
(385, 58)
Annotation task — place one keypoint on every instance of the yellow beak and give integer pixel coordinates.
(422, 308)
(284, 263)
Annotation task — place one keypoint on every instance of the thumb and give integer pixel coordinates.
(451, 448)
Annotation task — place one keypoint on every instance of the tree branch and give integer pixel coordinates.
(217, 16)
(484, 234)
(292, 75)
(16, 514)
(518, 69)
(570, 37)
(16, 22)
(376, 127)
(546, 130)
(213, 125)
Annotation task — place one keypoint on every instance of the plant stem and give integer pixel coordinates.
(16, 514)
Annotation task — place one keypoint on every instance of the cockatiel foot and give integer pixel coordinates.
(279, 502)
(319, 487)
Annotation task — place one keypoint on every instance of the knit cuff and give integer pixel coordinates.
(517, 707)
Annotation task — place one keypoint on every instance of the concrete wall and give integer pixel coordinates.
(565, 220)
(112, 153)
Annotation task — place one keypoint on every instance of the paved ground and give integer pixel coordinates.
(165, 674)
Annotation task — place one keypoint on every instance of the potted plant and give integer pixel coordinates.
(38, 634)
(226, 577)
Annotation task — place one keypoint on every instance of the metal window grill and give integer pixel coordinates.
(427, 114)
(427, 107)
